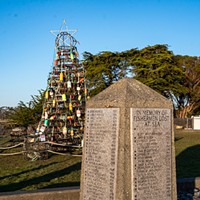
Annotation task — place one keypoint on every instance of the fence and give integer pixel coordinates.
(184, 122)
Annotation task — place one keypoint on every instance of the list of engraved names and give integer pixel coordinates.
(101, 146)
(151, 153)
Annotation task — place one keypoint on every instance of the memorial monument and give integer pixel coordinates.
(128, 149)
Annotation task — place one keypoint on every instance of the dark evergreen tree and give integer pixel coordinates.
(26, 114)
(155, 66)
(106, 68)
(188, 104)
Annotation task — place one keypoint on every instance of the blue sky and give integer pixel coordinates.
(27, 46)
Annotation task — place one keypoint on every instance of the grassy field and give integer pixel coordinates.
(16, 173)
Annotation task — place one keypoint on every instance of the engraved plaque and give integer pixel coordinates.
(101, 147)
(151, 153)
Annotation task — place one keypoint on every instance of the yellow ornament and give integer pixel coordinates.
(64, 97)
(54, 103)
(70, 106)
(46, 95)
(72, 132)
(61, 76)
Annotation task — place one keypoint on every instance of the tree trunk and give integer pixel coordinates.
(184, 112)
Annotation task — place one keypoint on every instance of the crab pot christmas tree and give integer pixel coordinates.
(62, 120)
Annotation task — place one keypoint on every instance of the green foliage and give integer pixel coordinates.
(176, 77)
(155, 66)
(27, 114)
(105, 68)
(189, 103)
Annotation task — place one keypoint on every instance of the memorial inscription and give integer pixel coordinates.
(151, 153)
(101, 147)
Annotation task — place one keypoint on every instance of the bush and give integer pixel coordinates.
(26, 114)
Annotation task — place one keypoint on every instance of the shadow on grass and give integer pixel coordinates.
(187, 169)
(30, 170)
(44, 178)
(178, 138)
(65, 184)
(188, 162)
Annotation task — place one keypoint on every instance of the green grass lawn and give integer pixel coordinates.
(16, 173)
(187, 145)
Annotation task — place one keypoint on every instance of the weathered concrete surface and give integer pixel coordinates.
(128, 94)
(71, 193)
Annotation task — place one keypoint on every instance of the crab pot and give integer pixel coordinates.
(36, 150)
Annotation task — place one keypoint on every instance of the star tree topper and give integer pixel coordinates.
(64, 36)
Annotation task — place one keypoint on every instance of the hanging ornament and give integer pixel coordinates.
(79, 97)
(52, 117)
(42, 129)
(82, 142)
(64, 130)
(78, 88)
(69, 118)
(51, 92)
(77, 54)
(71, 55)
(46, 122)
(70, 107)
(61, 76)
(78, 113)
(85, 91)
(69, 84)
(64, 98)
(46, 115)
(54, 103)
(55, 62)
(58, 53)
(37, 130)
(46, 95)
(42, 138)
(81, 80)
(72, 132)
(78, 74)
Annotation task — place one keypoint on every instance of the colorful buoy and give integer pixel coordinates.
(78, 113)
(64, 97)
(61, 76)
(64, 130)
(70, 107)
